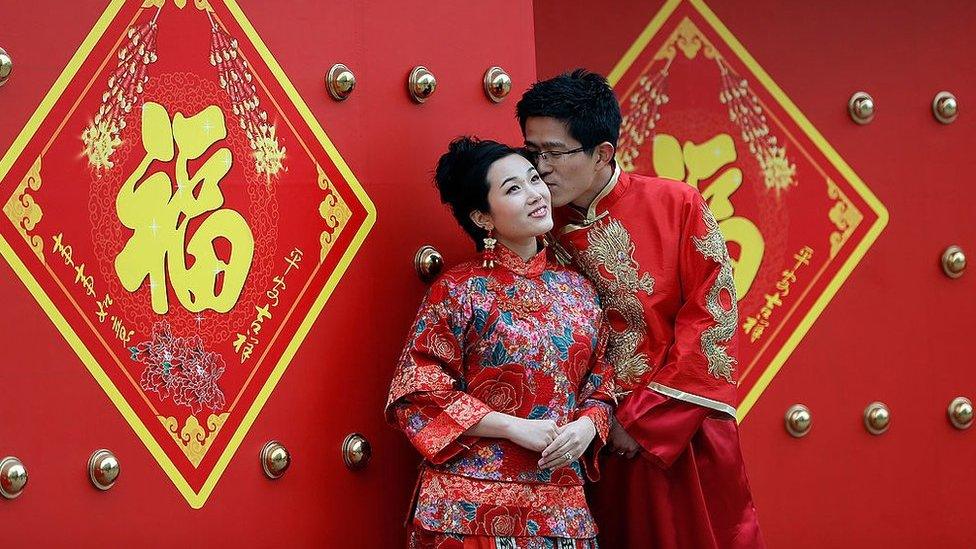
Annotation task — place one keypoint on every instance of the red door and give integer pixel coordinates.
(346, 183)
(879, 201)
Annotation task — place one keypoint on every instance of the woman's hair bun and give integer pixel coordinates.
(462, 178)
(455, 166)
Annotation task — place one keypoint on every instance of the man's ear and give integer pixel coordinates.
(604, 153)
(482, 220)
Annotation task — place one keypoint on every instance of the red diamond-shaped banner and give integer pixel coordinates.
(182, 218)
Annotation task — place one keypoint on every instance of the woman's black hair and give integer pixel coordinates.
(462, 179)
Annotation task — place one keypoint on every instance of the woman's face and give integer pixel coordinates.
(519, 200)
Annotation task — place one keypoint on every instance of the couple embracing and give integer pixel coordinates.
(594, 335)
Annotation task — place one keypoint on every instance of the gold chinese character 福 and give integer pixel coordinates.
(159, 216)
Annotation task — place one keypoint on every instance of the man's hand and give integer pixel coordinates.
(573, 439)
(620, 442)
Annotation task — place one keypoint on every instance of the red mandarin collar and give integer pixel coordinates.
(510, 260)
(574, 218)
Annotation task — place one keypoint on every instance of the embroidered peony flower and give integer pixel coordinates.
(500, 520)
(442, 346)
(503, 393)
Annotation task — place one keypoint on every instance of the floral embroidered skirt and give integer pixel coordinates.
(445, 502)
(422, 539)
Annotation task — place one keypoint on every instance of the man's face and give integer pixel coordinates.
(568, 176)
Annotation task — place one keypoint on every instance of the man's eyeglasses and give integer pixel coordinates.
(552, 156)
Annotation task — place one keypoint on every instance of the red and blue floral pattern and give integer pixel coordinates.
(521, 338)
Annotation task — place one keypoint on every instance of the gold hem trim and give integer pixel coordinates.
(692, 398)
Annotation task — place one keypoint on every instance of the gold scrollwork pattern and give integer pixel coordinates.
(689, 39)
(844, 215)
(611, 247)
(23, 210)
(194, 439)
(202, 5)
(333, 210)
(713, 340)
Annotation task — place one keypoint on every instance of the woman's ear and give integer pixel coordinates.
(482, 220)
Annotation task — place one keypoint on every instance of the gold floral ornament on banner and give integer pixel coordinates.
(844, 215)
(237, 79)
(125, 85)
(745, 110)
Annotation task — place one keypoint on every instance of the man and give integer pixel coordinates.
(675, 476)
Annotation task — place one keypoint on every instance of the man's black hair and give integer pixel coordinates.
(583, 100)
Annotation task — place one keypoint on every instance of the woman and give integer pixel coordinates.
(501, 385)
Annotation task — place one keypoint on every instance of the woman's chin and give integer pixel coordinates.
(544, 226)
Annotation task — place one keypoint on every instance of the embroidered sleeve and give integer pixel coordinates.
(597, 401)
(427, 400)
(702, 358)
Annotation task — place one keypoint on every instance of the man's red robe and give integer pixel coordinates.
(663, 272)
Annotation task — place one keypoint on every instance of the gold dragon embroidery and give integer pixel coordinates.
(713, 247)
(611, 248)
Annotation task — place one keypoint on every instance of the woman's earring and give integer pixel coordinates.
(489, 261)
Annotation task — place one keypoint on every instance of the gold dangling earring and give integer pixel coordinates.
(489, 251)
